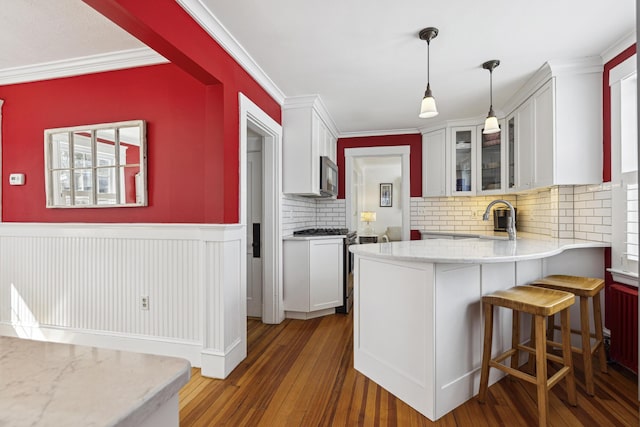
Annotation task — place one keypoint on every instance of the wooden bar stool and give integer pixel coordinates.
(585, 288)
(540, 303)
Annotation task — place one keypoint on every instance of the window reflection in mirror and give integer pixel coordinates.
(100, 165)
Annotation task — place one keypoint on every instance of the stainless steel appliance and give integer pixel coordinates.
(328, 177)
(347, 259)
(500, 218)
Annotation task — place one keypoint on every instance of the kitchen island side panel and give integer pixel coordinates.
(394, 328)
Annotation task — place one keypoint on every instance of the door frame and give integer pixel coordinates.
(253, 117)
(404, 152)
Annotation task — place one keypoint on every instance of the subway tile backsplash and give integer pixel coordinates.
(300, 212)
(581, 212)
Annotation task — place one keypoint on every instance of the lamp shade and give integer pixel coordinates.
(428, 108)
(491, 125)
(367, 216)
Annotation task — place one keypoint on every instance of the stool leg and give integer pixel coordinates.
(515, 339)
(597, 320)
(541, 370)
(551, 326)
(531, 361)
(586, 344)
(567, 357)
(486, 352)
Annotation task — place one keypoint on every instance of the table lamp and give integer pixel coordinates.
(368, 217)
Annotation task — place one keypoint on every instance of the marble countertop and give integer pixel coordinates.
(51, 384)
(473, 250)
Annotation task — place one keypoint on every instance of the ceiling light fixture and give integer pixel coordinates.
(491, 123)
(428, 106)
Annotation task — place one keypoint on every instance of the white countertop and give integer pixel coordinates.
(312, 237)
(473, 250)
(51, 384)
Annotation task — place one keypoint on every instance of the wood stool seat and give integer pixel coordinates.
(541, 303)
(585, 288)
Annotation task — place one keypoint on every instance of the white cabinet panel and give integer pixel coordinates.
(305, 138)
(544, 136)
(312, 274)
(434, 161)
(325, 273)
(525, 137)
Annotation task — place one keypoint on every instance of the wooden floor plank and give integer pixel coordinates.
(300, 373)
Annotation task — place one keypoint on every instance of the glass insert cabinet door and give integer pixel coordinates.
(491, 162)
(102, 165)
(463, 139)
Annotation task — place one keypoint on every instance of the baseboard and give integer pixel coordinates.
(217, 364)
(138, 344)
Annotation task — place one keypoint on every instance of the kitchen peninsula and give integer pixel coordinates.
(53, 384)
(417, 311)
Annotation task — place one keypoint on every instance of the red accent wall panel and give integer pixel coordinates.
(172, 103)
(414, 141)
(170, 31)
(191, 107)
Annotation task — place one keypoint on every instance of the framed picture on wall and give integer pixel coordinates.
(386, 192)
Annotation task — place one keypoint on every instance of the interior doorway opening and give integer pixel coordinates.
(365, 195)
(257, 125)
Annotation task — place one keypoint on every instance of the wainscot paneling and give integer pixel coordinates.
(84, 284)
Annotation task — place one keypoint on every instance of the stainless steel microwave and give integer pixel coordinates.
(328, 177)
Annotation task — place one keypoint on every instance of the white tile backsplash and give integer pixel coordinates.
(581, 212)
(300, 212)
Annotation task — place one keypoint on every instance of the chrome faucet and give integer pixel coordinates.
(511, 227)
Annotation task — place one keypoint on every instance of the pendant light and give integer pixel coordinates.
(491, 123)
(428, 106)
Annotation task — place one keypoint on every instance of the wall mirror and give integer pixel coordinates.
(102, 165)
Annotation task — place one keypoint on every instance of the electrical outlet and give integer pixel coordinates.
(144, 302)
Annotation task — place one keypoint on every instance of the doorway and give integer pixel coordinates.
(257, 126)
(254, 198)
(355, 191)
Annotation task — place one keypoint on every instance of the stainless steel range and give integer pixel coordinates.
(347, 257)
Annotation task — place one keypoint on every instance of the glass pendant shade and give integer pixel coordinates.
(428, 106)
(491, 124)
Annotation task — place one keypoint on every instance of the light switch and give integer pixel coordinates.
(16, 179)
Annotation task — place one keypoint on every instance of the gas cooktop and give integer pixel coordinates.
(322, 232)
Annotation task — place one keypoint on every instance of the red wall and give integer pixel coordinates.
(172, 103)
(192, 112)
(414, 141)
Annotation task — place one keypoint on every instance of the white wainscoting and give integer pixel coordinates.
(83, 284)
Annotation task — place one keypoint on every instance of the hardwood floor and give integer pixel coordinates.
(300, 373)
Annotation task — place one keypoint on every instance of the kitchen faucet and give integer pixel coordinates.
(511, 227)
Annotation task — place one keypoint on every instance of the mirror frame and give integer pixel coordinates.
(140, 180)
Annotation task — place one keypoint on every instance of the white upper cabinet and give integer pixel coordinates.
(306, 137)
(491, 162)
(463, 160)
(434, 161)
(558, 126)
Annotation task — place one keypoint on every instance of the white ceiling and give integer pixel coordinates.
(363, 57)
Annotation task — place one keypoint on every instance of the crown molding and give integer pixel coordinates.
(207, 20)
(408, 131)
(82, 65)
(618, 47)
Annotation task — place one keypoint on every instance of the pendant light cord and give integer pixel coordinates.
(491, 89)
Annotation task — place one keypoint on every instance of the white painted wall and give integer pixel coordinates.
(373, 175)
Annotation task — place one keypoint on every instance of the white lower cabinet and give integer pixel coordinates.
(312, 277)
